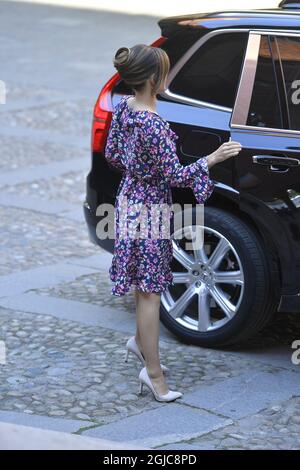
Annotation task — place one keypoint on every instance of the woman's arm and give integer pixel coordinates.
(211, 160)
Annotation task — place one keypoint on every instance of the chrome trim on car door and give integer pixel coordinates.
(244, 93)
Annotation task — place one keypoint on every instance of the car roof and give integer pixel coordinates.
(259, 18)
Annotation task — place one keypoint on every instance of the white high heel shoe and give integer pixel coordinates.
(145, 379)
(131, 346)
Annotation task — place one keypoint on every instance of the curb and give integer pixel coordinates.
(19, 437)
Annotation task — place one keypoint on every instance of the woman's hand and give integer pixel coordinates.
(226, 150)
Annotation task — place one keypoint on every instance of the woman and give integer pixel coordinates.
(142, 144)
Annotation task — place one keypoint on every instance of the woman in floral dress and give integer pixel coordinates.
(142, 144)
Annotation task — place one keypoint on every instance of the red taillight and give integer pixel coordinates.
(159, 41)
(103, 109)
(102, 115)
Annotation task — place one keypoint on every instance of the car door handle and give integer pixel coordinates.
(271, 160)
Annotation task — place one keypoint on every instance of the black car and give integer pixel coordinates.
(233, 74)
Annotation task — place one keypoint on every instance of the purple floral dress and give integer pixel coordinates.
(142, 144)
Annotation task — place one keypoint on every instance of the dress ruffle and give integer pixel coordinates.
(146, 276)
(203, 186)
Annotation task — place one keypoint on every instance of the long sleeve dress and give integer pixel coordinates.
(143, 146)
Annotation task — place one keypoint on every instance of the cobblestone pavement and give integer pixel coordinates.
(64, 333)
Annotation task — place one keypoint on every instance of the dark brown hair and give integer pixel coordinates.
(137, 64)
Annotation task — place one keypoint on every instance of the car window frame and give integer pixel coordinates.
(169, 95)
(247, 79)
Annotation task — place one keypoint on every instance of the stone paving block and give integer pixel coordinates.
(45, 276)
(279, 355)
(36, 204)
(245, 394)
(43, 422)
(39, 136)
(167, 424)
(102, 260)
(81, 312)
(46, 171)
(18, 437)
(275, 428)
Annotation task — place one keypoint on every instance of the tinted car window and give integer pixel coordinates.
(289, 54)
(212, 73)
(264, 110)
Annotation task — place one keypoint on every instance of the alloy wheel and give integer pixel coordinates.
(208, 281)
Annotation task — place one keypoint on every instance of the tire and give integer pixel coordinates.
(250, 299)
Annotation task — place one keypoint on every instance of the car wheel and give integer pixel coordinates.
(222, 293)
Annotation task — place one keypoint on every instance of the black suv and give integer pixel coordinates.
(233, 74)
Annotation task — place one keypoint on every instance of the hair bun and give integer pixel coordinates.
(121, 56)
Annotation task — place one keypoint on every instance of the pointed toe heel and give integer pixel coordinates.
(145, 379)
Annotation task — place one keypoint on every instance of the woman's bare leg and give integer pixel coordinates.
(137, 334)
(148, 323)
